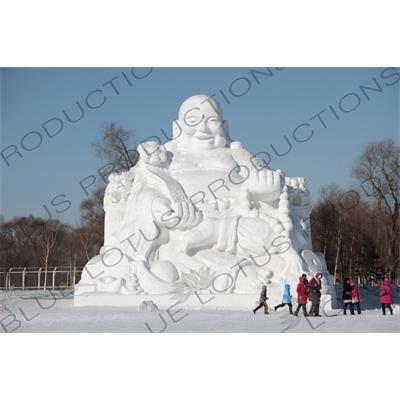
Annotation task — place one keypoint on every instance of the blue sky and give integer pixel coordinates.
(261, 111)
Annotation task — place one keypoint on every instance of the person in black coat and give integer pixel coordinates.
(315, 296)
(347, 297)
(263, 301)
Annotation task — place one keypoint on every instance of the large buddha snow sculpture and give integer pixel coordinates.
(202, 200)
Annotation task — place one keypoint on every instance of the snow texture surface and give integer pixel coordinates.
(54, 312)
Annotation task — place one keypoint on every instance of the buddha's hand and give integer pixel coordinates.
(176, 215)
(265, 185)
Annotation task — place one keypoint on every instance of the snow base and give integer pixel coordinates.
(195, 301)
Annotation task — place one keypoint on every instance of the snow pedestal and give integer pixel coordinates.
(199, 301)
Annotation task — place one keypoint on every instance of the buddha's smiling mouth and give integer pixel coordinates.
(204, 137)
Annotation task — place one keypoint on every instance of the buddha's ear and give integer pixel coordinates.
(225, 125)
(176, 129)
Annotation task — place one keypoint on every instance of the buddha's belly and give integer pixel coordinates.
(209, 184)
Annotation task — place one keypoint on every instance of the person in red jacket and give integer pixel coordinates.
(317, 278)
(385, 292)
(356, 298)
(347, 299)
(302, 295)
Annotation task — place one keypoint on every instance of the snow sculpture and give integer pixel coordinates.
(204, 211)
(115, 198)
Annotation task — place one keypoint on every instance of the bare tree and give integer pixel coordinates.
(346, 231)
(329, 227)
(117, 146)
(32, 244)
(48, 241)
(74, 254)
(377, 168)
(91, 231)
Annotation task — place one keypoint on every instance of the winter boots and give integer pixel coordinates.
(351, 308)
(384, 309)
(303, 306)
(283, 305)
(314, 310)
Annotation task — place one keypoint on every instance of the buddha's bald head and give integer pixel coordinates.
(199, 102)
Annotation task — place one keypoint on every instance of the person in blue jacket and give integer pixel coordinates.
(286, 299)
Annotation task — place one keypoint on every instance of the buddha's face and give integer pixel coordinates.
(201, 123)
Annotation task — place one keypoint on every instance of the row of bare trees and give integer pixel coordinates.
(34, 244)
(356, 229)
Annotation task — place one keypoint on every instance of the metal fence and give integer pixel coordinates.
(29, 279)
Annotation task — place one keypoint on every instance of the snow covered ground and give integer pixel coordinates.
(54, 312)
(195, 366)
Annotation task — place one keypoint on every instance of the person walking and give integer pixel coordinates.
(317, 278)
(315, 297)
(385, 293)
(355, 296)
(302, 295)
(263, 301)
(315, 287)
(347, 299)
(286, 299)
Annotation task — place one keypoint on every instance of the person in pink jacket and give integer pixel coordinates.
(356, 298)
(317, 278)
(385, 292)
(302, 296)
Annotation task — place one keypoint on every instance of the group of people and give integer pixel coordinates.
(310, 291)
(351, 297)
(305, 291)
